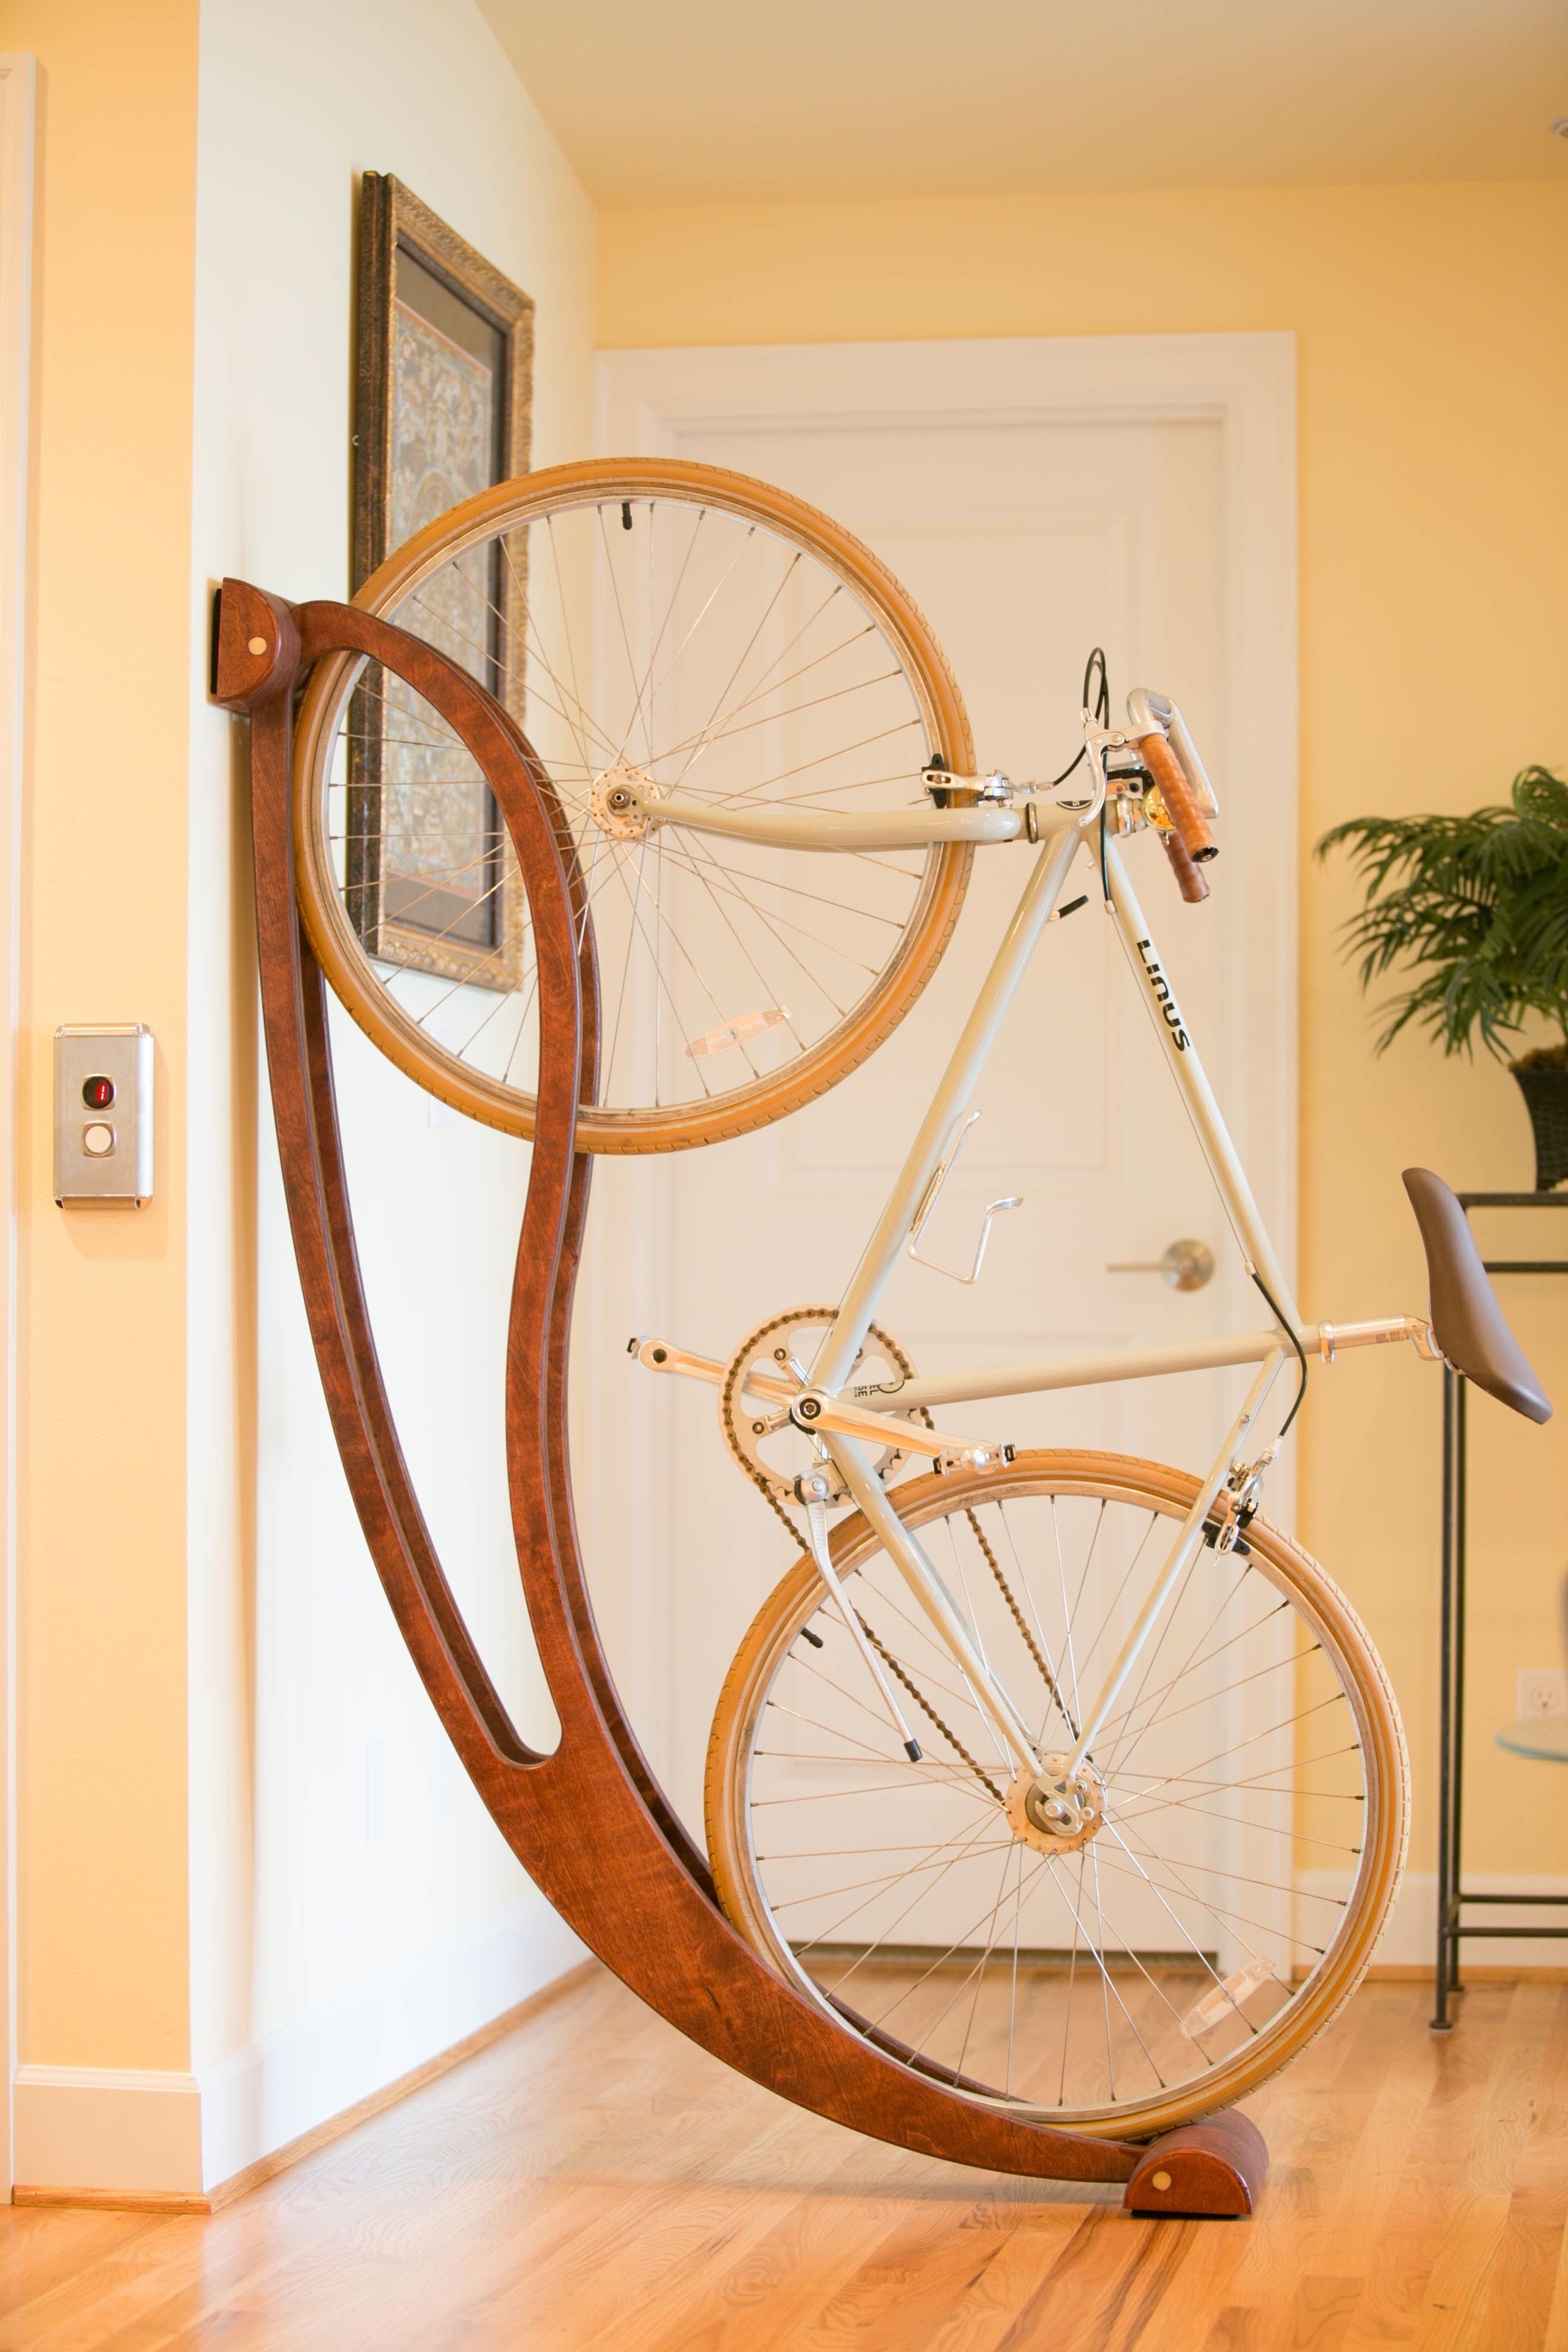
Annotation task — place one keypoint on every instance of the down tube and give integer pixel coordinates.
(835, 1358)
(1181, 1054)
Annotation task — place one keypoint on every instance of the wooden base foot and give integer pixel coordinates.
(1215, 2168)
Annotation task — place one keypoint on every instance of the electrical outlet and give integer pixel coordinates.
(1543, 1690)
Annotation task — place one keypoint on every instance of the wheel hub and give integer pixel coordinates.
(1057, 1810)
(616, 802)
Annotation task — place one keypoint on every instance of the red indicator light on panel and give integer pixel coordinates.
(98, 1093)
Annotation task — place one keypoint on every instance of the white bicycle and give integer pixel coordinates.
(1061, 1776)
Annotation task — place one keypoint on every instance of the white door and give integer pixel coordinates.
(1027, 539)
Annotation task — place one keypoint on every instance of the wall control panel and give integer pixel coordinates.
(103, 1117)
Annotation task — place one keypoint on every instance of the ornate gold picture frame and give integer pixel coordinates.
(442, 409)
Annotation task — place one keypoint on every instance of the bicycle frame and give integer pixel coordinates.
(837, 1414)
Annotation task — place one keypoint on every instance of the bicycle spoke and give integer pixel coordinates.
(986, 1945)
(726, 659)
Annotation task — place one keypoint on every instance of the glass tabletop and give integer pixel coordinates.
(1543, 1736)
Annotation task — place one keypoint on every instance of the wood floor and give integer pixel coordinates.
(593, 2180)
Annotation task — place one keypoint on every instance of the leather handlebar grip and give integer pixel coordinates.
(1177, 795)
(1189, 878)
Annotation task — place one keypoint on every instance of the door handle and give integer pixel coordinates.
(1185, 1266)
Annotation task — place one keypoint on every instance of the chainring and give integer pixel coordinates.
(749, 1423)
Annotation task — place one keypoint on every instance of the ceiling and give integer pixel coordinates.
(726, 102)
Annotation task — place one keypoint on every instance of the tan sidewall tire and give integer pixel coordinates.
(1293, 1570)
(898, 985)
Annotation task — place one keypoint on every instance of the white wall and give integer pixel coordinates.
(353, 1908)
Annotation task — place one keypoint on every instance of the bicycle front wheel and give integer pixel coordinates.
(1248, 1793)
(685, 629)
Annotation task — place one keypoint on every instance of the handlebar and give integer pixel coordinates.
(1181, 803)
(1189, 878)
(1183, 795)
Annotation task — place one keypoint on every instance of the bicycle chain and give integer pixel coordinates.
(777, 1508)
(923, 1703)
(1045, 1674)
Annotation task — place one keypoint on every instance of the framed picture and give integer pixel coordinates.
(442, 409)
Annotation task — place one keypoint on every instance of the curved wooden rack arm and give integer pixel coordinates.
(588, 1821)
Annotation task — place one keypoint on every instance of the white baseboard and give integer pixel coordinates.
(142, 2133)
(108, 2127)
(1410, 1939)
(261, 2098)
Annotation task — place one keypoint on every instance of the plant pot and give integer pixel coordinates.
(1545, 1093)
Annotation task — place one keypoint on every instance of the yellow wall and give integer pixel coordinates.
(101, 1829)
(188, 1889)
(1433, 339)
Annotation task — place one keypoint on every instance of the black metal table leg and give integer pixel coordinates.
(1461, 1556)
(1452, 1900)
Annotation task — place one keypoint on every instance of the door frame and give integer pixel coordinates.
(19, 99)
(1245, 385)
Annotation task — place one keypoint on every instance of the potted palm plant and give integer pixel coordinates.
(1478, 905)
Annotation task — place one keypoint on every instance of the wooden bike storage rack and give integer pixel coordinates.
(588, 1821)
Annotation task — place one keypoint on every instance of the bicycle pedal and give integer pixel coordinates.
(975, 1457)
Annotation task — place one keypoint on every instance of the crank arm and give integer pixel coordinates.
(817, 1413)
(658, 1356)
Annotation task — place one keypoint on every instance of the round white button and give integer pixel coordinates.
(98, 1140)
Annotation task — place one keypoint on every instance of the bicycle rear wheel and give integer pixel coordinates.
(702, 632)
(1254, 1791)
